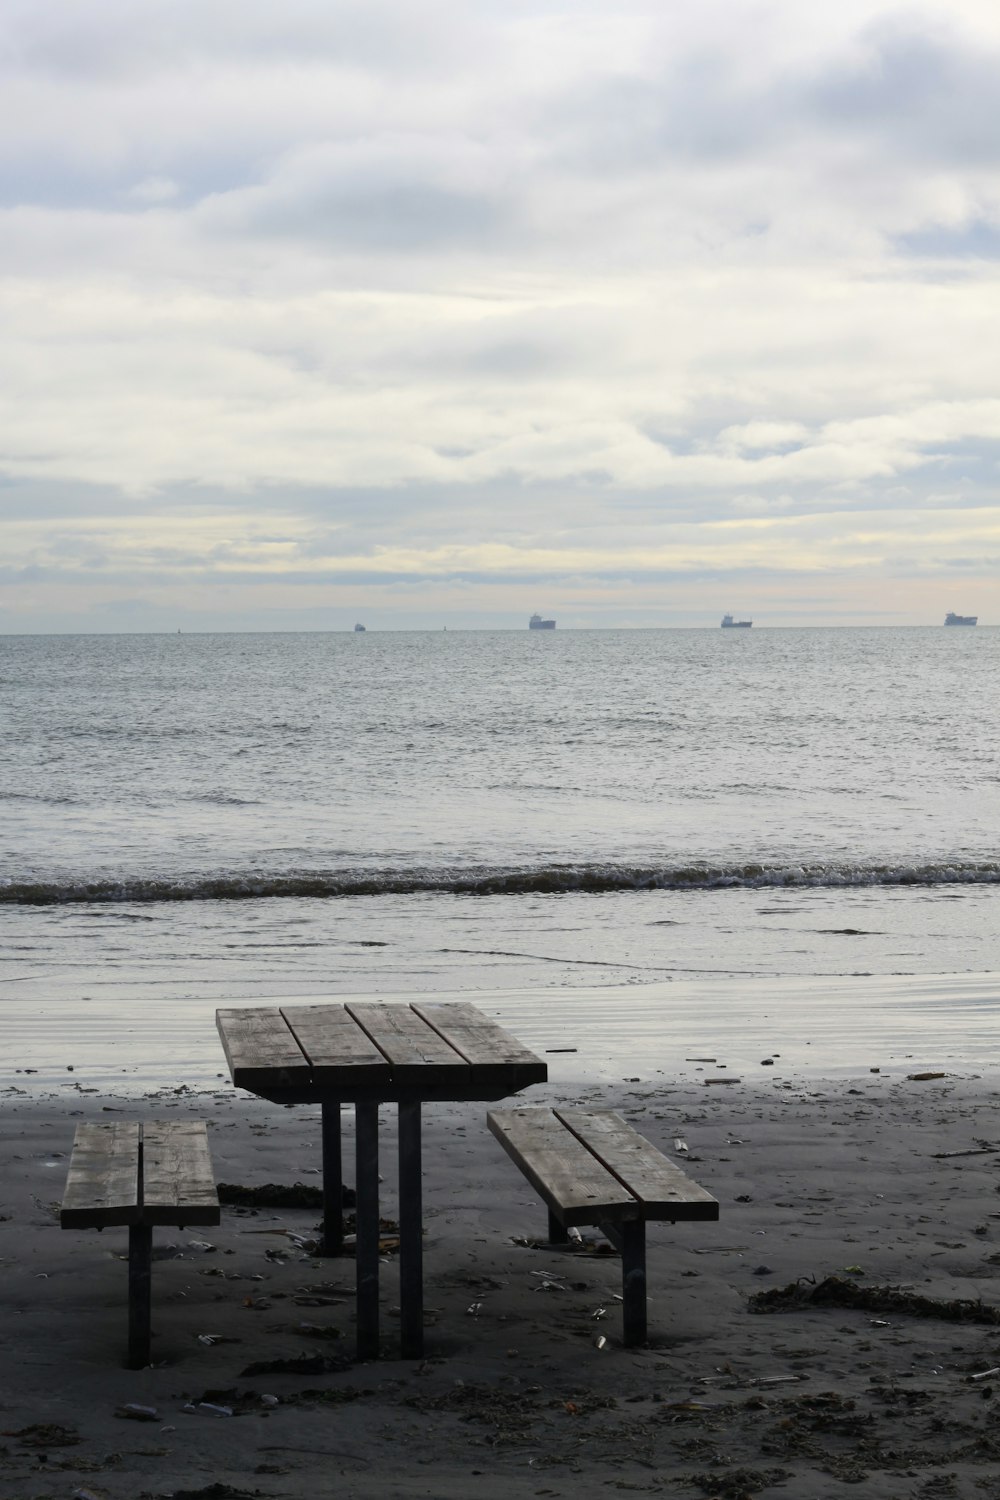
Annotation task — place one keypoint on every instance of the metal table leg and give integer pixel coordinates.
(140, 1261)
(333, 1180)
(557, 1231)
(633, 1234)
(411, 1229)
(366, 1116)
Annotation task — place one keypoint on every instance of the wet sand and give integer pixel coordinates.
(124, 1035)
(514, 1397)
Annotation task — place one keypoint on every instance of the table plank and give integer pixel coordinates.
(178, 1184)
(404, 1039)
(567, 1177)
(332, 1038)
(498, 1064)
(368, 1051)
(103, 1183)
(475, 1036)
(260, 1049)
(664, 1190)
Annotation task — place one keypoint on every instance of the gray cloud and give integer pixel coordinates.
(115, 40)
(479, 296)
(975, 239)
(932, 93)
(394, 194)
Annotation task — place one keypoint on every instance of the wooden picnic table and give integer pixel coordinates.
(368, 1053)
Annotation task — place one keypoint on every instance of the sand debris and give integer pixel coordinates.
(214, 1492)
(132, 1411)
(45, 1435)
(276, 1195)
(738, 1484)
(309, 1364)
(983, 1149)
(319, 1331)
(834, 1291)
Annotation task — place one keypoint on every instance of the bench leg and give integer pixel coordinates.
(557, 1231)
(333, 1188)
(411, 1229)
(140, 1264)
(633, 1236)
(366, 1117)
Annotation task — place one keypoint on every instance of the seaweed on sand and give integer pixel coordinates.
(276, 1195)
(835, 1291)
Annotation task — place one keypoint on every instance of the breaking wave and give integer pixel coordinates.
(552, 879)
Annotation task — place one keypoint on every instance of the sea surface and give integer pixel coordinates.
(571, 825)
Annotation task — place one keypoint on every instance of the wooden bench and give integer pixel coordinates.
(590, 1167)
(140, 1174)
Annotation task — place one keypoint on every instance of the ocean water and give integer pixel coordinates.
(190, 819)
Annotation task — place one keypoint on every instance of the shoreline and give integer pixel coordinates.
(814, 1174)
(897, 1023)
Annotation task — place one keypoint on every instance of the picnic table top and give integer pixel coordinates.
(362, 1051)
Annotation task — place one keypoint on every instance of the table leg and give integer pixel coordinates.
(140, 1260)
(411, 1229)
(366, 1131)
(633, 1234)
(557, 1231)
(333, 1182)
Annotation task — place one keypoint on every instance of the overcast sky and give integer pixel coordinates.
(437, 312)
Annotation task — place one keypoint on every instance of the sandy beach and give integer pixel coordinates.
(877, 1178)
(345, 345)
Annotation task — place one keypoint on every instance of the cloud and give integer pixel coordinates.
(480, 290)
(153, 190)
(392, 192)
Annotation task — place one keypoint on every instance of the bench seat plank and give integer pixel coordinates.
(566, 1176)
(102, 1186)
(178, 1182)
(664, 1191)
(590, 1167)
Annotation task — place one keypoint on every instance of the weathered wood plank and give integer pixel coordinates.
(331, 1038)
(487, 1047)
(178, 1182)
(260, 1049)
(576, 1186)
(404, 1039)
(364, 1051)
(427, 1084)
(102, 1186)
(664, 1191)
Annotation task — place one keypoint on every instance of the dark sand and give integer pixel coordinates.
(514, 1397)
